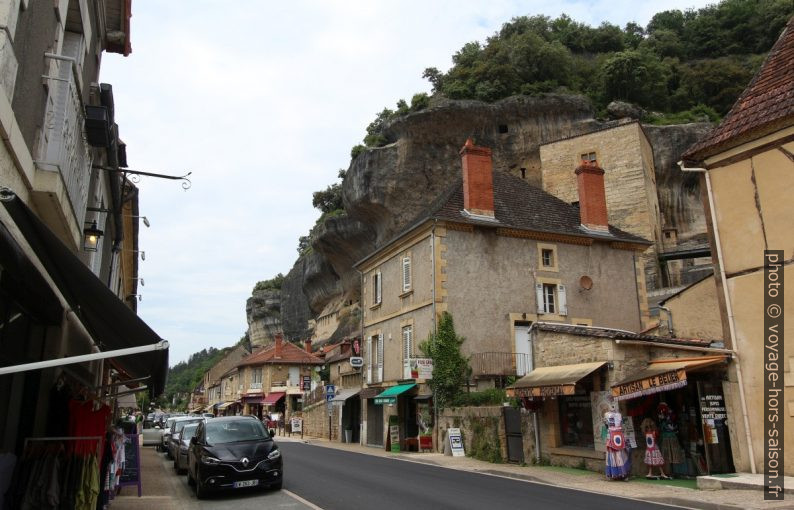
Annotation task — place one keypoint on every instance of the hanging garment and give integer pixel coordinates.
(653, 457)
(618, 462)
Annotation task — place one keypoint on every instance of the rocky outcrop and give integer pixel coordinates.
(263, 312)
(680, 202)
(386, 188)
(620, 110)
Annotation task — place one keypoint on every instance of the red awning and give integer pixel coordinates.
(272, 398)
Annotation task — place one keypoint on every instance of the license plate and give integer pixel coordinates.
(246, 483)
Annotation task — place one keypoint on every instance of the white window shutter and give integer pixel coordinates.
(378, 287)
(369, 360)
(380, 358)
(406, 274)
(539, 296)
(563, 302)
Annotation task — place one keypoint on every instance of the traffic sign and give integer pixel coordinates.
(330, 392)
(356, 362)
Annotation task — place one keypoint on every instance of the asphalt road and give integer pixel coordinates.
(339, 480)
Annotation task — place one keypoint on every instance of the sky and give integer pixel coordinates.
(262, 102)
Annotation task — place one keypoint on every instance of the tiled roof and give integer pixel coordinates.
(617, 334)
(519, 205)
(765, 106)
(339, 357)
(290, 354)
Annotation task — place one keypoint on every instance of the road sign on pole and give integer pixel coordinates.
(330, 392)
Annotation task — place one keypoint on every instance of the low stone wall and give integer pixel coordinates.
(315, 421)
(483, 431)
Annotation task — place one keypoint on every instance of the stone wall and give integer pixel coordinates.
(476, 421)
(315, 421)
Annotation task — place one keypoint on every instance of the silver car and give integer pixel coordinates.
(176, 429)
(180, 459)
(165, 434)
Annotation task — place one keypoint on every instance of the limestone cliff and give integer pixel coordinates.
(263, 312)
(385, 188)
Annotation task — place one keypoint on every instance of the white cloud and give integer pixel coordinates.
(262, 102)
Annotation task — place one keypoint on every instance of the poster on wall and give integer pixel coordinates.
(628, 431)
(600, 402)
(455, 442)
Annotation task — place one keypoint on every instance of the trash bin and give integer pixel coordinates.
(348, 435)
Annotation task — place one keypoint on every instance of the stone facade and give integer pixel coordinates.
(693, 313)
(630, 182)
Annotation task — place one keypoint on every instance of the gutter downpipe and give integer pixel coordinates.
(435, 322)
(531, 363)
(670, 319)
(728, 310)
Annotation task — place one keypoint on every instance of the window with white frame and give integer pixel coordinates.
(406, 274)
(374, 359)
(590, 157)
(408, 342)
(256, 375)
(376, 288)
(551, 298)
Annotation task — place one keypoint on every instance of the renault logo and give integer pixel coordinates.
(244, 461)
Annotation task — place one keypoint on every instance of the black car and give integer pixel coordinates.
(232, 453)
(180, 457)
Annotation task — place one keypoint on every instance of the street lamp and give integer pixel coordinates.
(91, 237)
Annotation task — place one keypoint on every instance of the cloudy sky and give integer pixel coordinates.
(263, 101)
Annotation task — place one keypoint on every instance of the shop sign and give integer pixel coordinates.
(296, 424)
(660, 382)
(546, 391)
(306, 383)
(418, 368)
(455, 442)
(394, 438)
(356, 362)
(385, 400)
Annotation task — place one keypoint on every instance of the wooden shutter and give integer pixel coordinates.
(539, 296)
(408, 342)
(380, 358)
(406, 274)
(378, 287)
(370, 359)
(562, 300)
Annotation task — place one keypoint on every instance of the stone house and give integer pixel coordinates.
(275, 378)
(692, 312)
(230, 392)
(678, 255)
(498, 254)
(68, 223)
(213, 376)
(747, 167)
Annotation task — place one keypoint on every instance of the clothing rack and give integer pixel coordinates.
(68, 438)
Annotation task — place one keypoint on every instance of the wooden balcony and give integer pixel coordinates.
(484, 364)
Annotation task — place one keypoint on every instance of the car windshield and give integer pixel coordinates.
(234, 431)
(189, 431)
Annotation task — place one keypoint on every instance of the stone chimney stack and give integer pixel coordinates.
(279, 345)
(592, 197)
(477, 179)
(309, 345)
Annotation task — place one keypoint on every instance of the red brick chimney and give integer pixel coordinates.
(309, 345)
(592, 198)
(279, 342)
(477, 179)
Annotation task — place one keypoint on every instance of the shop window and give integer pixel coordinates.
(576, 416)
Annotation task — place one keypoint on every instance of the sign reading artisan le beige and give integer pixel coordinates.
(648, 385)
(546, 391)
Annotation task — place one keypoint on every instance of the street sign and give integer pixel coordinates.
(307, 383)
(330, 392)
(356, 362)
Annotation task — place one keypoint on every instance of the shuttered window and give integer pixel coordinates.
(551, 298)
(371, 360)
(408, 342)
(406, 274)
(376, 288)
(380, 358)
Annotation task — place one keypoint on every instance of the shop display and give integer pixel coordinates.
(618, 463)
(653, 456)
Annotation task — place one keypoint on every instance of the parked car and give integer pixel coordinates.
(172, 445)
(208, 415)
(152, 435)
(232, 453)
(165, 433)
(180, 458)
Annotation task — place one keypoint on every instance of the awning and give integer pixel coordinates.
(225, 405)
(661, 375)
(345, 394)
(389, 396)
(110, 322)
(553, 381)
(272, 398)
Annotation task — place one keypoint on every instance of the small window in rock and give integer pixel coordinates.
(667, 235)
(575, 204)
(523, 173)
(503, 128)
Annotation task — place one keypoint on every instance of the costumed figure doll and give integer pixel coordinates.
(618, 463)
(653, 457)
(669, 445)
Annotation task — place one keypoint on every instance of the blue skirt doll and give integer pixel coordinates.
(618, 461)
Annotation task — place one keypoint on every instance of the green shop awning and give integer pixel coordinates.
(389, 396)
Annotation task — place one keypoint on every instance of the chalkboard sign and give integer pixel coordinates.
(131, 475)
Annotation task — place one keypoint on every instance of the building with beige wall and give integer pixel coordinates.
(747, 165)
(692, 312)
(498, 254)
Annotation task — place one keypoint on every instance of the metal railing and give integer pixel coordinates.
(67, 150)
(499, 363)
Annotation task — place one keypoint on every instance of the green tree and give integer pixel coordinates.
(450, 368)
(637, 77)
(271, 284)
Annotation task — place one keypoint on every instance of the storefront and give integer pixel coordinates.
(682, 400)
(409, 414)
(350, 415)
(253, 405)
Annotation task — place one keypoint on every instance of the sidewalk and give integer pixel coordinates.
(159, 487)
(675, 492)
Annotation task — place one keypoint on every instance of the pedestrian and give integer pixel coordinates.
(618, 462)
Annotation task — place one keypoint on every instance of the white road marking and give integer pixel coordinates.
(301, 500)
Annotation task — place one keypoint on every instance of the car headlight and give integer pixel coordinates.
(210, 461)
(274, 454)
